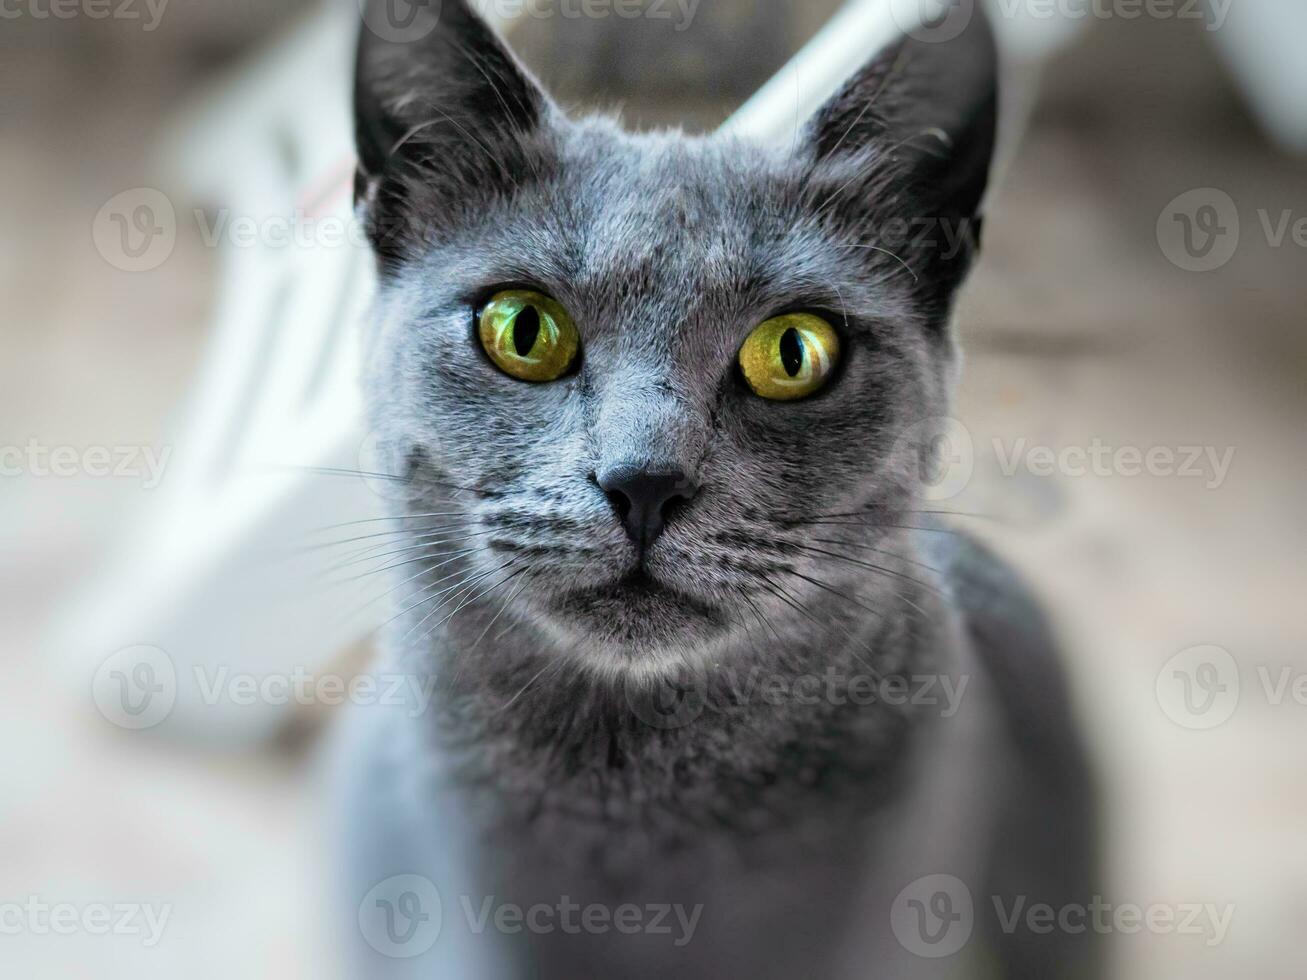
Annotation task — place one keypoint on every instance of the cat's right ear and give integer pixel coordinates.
(915, 128)
(442, 111)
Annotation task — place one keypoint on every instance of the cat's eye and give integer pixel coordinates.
(790, 357)
(528, 335)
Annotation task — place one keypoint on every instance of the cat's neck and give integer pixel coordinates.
(753, 736)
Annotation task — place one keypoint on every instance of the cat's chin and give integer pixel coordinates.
(639, 615)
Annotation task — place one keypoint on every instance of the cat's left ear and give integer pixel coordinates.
(442, 111)
(922, 113)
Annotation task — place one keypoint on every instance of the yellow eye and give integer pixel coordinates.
(528, 335)
(790, 357)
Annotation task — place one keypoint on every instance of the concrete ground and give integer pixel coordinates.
(1080, 333)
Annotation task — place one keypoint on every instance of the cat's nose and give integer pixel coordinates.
(644, 498)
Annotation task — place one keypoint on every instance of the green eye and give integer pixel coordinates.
(528, 335)
(790, 357)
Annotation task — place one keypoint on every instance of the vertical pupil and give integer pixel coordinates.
(792, 352)
(526, 331)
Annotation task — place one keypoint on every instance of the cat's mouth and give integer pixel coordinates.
(640, 585)
(638, 598)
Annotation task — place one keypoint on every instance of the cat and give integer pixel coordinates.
(715, 693)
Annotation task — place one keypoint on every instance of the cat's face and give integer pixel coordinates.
(651, 499)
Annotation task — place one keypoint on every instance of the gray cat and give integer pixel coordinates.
(714, 694)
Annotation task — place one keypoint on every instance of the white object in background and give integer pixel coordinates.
(1263, 44)
(204, 578)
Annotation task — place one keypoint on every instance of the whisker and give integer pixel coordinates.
(428, 596)
(428, 538)
(416, 575)
(377, 520)
(824, 627)
(473, 598)
(873, 567)
(848, 598)
(432, 547)
(762, 619)
(502, 609)
(526, 687)
(873, 525)
(460, 586)
(880, 551)
(417, 480)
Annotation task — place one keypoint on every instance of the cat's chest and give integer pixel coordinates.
(707, 905)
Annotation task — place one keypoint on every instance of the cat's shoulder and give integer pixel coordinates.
(1013, 640)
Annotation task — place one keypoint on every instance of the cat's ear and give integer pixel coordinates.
(442, 110)
(922, 113)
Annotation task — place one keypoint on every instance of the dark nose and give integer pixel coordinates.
(645, 498)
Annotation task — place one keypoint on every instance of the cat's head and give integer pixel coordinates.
(656, 382)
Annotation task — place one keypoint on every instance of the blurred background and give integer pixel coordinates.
(176, 386)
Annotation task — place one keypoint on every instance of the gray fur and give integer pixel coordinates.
(546, 768)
